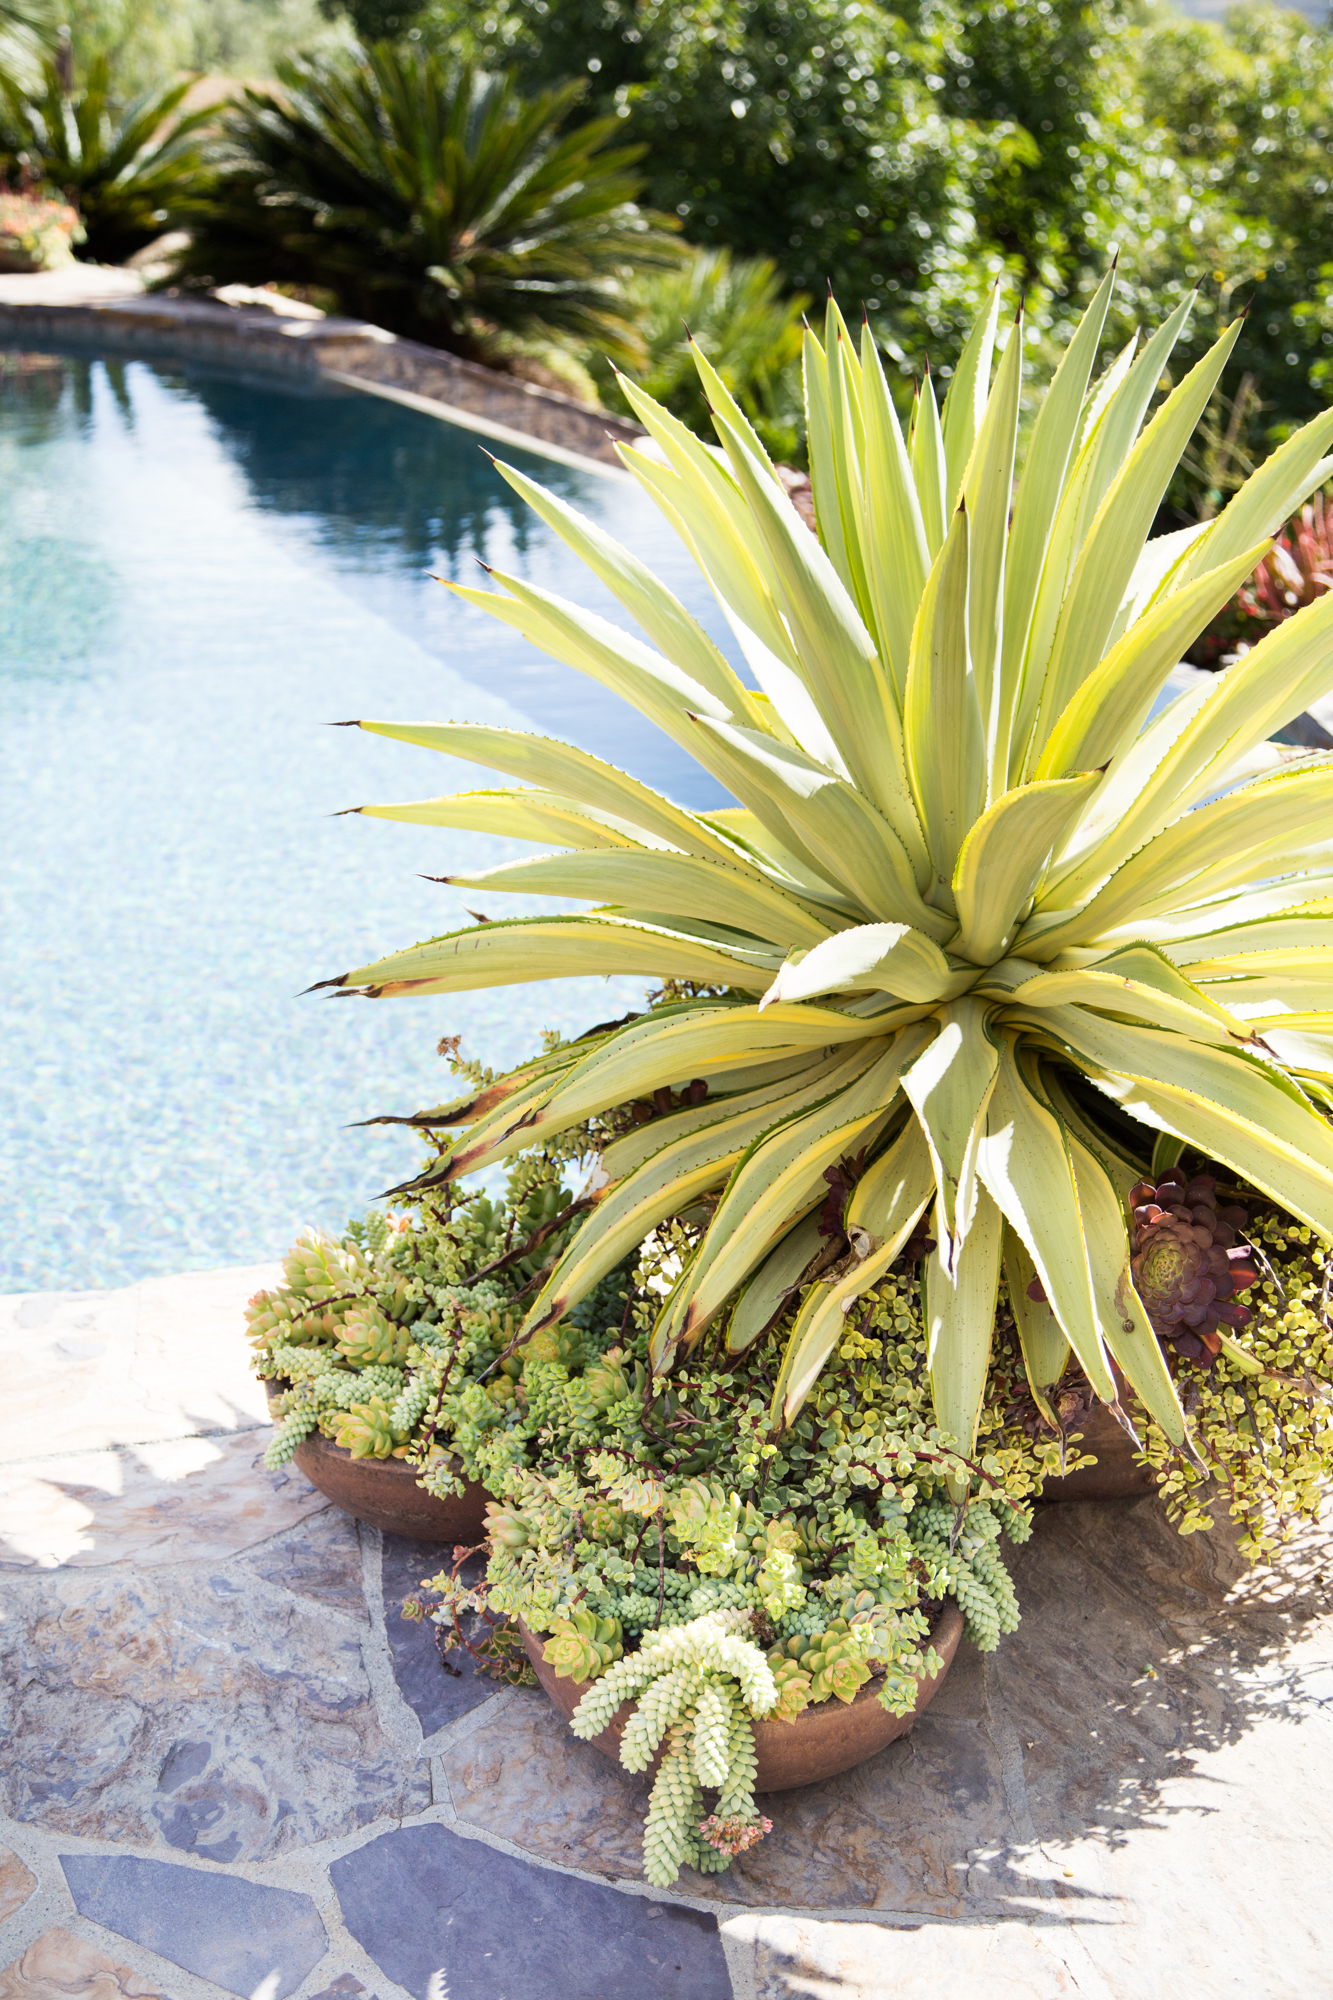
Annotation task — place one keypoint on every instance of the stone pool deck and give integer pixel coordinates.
(229, 1762)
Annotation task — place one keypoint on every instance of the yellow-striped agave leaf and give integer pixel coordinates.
(979, 932)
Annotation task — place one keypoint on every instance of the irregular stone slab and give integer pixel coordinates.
(1006, 1961)
(893, 1835)
(1057, 1779)
(17, 1883)
(344, 1987)
(196, 1499)
(180, 1711)
(60, 1966)
(424, 1900)
(166, 1358)
(320, 1559)
(228, 1930)
(436, 1692)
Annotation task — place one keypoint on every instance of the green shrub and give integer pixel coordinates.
(431, 199)
(735, 308)
(131, 171)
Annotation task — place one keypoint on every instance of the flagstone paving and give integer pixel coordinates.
(230, 1763)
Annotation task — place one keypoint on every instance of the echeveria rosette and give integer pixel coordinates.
(978, 917)
(1187, 1264)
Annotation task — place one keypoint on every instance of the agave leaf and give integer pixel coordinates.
(511, 950)
(959, 1306)
(1153, 575)
(721, 399)
(1121, 786)
(701, 1040)
(700, 501)
(1124, 1325)
(781, 1177)
(560, 767)
(988, 486)
(887, 1203)
(949, 1087)
(847, 435)
(1041, 1338)
(1023, 1159)
(1304, 964)
(1107, 711)
(520, 815)
(891, 957)
(660, 614)
(1269, 497)
(819, 446)
(666, 882)
(946, 747)
(1252, 833)
(965, 405)
(928, 467)
(1118, 992)
(1114, 413)
(1052, 444)
(896, 554)
(765, 1297)
(1003, 857)
(1122, 411)
(611, 657)
(494, 1120)
(839, 664)
(748, 838)
(834, 826)
(1243, 1111)
(1106, 560)
(1224, 954)
(1281, 677)
(1123, 1167)
(684, 1166)
(728, 1093)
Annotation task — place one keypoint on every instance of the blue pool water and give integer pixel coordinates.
(198, 572)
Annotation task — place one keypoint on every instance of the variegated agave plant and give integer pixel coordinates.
(973, 906)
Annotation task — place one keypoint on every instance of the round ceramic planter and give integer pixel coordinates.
(818, 1744)
(1116, 1475)
(385, 1493)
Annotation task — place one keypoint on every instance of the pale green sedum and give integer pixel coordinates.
(961, 869)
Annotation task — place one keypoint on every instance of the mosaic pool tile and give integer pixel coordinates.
(234, 1932)
(423, 1900)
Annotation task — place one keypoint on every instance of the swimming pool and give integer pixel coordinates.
(200, 570)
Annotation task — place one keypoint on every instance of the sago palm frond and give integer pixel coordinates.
(131, 170)
(431, 199)
(973, 906)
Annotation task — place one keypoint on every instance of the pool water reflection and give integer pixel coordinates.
(200, 571)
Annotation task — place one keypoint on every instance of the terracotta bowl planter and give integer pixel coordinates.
(821, 1741)
(385, 1493)
(1115, 1476)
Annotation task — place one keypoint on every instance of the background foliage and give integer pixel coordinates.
(904, 152)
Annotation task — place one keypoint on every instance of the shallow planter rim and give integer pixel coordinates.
(819, 1743)
(384, 1493)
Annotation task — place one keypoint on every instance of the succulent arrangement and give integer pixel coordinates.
(390, 1340)
(671, 1548)
(983, 933)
